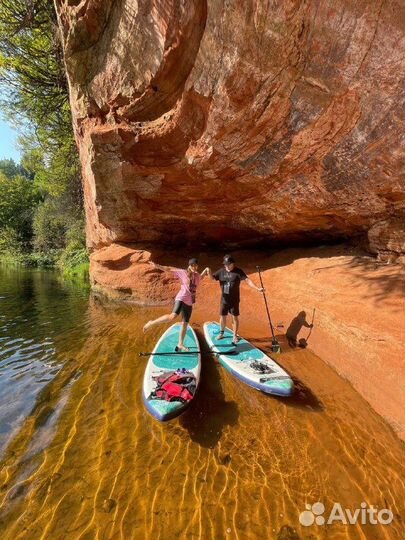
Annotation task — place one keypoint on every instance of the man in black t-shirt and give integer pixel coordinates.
(229, 278)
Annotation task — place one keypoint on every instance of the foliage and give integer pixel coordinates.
(54, 163)
(38, 259)
(44, 208)
(78, 273)
(31, 64)
(11, 169)
(10, 243)
(18, 199)
(75, 253)
(33, 81)
(49, 226)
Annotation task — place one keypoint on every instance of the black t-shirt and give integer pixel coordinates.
(230, 283)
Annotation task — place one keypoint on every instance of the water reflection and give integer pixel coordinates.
(37, 315)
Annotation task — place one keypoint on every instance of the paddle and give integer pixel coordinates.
(185, 352)
(275, 345)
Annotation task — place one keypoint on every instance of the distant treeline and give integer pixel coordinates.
(41, 201)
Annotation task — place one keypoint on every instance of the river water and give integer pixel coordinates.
(82, 459)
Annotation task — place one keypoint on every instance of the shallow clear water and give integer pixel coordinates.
(82, 459)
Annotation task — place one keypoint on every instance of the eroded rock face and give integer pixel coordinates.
(225, 122)
(387, 239)
(123, 273)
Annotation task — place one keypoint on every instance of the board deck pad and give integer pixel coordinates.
(171, 378)
(248, 363)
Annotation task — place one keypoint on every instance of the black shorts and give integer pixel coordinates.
(184, 309)
(226, 308)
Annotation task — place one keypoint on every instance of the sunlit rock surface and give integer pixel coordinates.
(232, 123)
(356, 303)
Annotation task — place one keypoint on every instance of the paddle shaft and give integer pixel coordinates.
(266, 304)
(184, 352)
(310, 330)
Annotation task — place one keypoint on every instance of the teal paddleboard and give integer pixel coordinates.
(248, 363)
(171, 378)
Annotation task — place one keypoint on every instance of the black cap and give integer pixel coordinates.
(228, 259)
(194, 260)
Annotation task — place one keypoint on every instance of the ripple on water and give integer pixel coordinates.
(82, 459)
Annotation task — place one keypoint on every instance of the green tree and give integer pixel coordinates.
(35, 99)
(18, 200)
(32, 75)
(11, 169)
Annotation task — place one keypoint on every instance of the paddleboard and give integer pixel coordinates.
(248, 363)
(171, 378)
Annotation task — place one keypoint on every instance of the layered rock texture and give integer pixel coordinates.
(221, 123)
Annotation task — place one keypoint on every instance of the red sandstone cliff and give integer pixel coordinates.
(229, 123)
(234, 122)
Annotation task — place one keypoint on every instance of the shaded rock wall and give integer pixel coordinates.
(228, 122)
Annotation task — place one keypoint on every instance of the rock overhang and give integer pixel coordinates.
(222, 125)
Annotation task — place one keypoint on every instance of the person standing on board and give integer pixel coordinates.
(229, 278)
(185, 298)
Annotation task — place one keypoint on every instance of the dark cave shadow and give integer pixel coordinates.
(268, 257)
(210, 412)
(119, 264)
(272, 257)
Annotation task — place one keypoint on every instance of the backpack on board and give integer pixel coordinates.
(179, 385)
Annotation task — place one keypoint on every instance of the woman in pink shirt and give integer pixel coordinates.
(185, 298)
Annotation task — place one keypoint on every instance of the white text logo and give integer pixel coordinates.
(370, 515)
